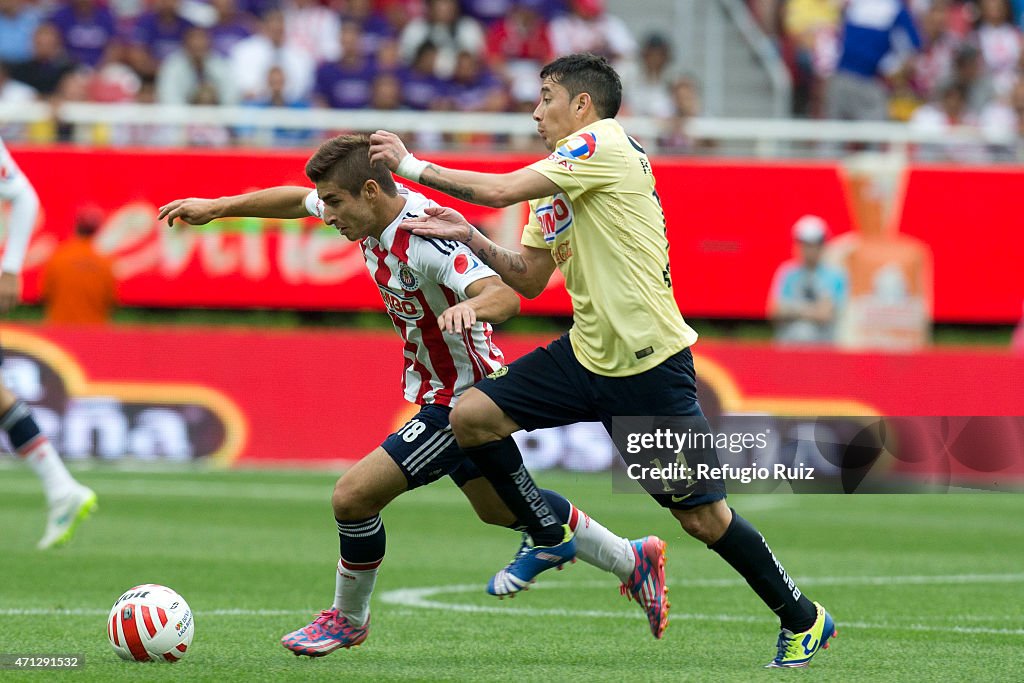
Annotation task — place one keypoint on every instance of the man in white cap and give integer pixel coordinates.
(807, 294)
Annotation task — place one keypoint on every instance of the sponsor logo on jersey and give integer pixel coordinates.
(465, 263)
(562, 253)
(578, 147)
(407, 278)
(555, 217)
(405, 307)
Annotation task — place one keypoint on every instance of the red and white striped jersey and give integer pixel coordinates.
(418, 279)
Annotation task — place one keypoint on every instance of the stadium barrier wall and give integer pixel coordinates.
(728, 222)
(251, 398)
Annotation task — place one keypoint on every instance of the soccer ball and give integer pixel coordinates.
(150, 623)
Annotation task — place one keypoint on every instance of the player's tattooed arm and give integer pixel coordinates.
(488, 189)
(432, 178)
(527, 271)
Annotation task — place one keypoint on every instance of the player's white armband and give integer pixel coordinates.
(314, 207)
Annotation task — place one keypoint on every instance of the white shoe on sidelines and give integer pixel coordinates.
(65, 515)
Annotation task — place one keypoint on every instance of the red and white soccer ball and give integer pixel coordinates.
(150, 623)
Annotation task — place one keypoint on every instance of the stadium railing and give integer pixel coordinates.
(768, 137)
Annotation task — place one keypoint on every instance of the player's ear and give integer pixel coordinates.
(371, 189)
(582, 100)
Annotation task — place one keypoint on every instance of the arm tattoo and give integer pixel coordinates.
(491, 255)
(453, 189)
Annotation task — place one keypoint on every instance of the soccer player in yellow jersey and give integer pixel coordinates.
(596, 216)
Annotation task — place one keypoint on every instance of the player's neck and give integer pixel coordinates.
(389, 209)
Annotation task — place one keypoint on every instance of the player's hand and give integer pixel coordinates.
(10, 291)
(387, 148)
(457, 318)
(440, 222)
(194, 211)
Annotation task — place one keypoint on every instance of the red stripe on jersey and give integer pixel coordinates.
(131, 634)
(162, 615)
(433, 338)
(382, 276)
(149, 621)
(493, 351)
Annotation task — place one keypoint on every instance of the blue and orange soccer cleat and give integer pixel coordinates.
(530, 561)
(796, 649)
(647, 583)
(327, 633)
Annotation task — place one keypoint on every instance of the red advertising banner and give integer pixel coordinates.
(247, 396)
(729, 226)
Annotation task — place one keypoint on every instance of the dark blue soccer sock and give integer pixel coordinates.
(502, 464)
(362, 542)
(560, 505)
(745, 549)
(19, 425)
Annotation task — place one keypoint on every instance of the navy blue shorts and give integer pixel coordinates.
(549, 387)
(425, 449)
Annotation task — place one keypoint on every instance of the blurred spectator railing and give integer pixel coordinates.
(771, 138)
(766, 54)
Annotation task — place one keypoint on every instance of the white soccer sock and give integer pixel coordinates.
(43, 458)
(597, 546)
(353, 587)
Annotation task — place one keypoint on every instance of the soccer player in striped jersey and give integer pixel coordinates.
(68, 501)
(596, 216)
(441, 300)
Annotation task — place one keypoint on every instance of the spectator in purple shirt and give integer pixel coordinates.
(487, 11)
(421, 89)
(474, 87)
(347, 82)
(230, 26)
(161, 30)
(86, 28)
(376, 29)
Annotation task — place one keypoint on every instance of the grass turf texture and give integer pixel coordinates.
(922, 587)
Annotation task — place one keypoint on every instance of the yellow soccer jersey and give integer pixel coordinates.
(606, 233)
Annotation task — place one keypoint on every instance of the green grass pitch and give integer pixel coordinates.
(923, 588)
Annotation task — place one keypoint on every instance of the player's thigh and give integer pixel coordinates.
(545, 388)
(368, 486)
(424, 448)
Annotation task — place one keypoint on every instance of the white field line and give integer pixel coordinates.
(411, 599)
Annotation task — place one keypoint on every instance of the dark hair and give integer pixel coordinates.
(591, 74)
(345, 161)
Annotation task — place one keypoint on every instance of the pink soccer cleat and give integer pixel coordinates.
(647, 584)
(327, 633)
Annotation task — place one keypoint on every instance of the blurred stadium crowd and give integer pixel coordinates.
(954, 62)
(438, 55)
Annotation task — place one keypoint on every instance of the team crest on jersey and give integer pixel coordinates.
(500, 372)
(465, 263)
(579, 147)
(554, 218)
(407, 278)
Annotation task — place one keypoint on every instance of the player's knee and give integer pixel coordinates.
(352, 503)
(705, 523)
(466, 425)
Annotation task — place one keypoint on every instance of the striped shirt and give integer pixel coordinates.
(418, 279)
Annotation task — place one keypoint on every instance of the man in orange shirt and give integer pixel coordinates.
(78, 282)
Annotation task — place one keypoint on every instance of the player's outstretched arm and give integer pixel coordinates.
(490, 301)
(488, 189)
(273, 202)
(21, 221)
(526, 271)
